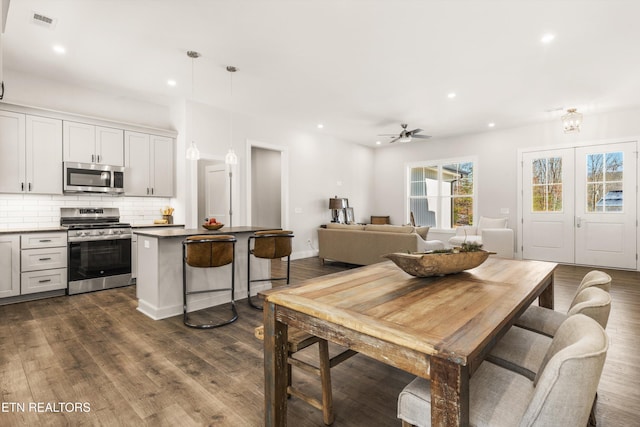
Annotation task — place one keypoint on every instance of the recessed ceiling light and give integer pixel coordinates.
(320, 125)
(378, 142)
(547, 38)
(451, 95)
(59, 49)
(171, 82)
(491, 125)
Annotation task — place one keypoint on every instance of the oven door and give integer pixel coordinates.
(96, 259)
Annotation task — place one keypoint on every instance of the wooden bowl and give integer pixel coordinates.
(213, 226)
(437, 264)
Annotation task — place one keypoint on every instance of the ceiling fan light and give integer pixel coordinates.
(405, 138)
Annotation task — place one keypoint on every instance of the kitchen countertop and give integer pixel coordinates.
(31, 230)
(156, 225)
(181, 232)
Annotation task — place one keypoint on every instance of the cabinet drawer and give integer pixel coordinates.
(44, 240)
(43, 281)
(43, 259)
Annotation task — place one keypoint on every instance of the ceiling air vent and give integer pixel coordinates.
(43, 20)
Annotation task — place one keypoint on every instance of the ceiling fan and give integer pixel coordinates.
(406, 135)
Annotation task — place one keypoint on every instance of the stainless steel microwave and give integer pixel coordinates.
(93, 178)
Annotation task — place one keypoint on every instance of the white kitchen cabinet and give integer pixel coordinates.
(85, 143)
(149, 162)
(44, 262)
(9, 265)
(30, 154)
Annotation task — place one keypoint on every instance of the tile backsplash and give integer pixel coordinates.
(38, 211)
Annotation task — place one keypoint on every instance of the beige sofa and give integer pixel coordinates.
(365, 244)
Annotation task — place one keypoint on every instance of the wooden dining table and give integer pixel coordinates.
(438, 328)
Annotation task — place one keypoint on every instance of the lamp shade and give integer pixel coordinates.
(572, 121)
(338, 203)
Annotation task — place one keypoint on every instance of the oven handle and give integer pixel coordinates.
(97, 238)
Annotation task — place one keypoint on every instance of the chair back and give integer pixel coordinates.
(568, 378)
(272, 244)
(209, 250)
(592, 302)
(596, 278)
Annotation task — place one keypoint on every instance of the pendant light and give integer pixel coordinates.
(231, 159)
(192, 152)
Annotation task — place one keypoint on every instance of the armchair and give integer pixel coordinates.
(491, 233)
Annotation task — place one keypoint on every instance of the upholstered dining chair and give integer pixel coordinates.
(523, 350)
(269, 244)
(546, 321)
(560, 395)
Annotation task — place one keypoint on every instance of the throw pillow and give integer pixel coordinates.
(492, 223)
(422, 232)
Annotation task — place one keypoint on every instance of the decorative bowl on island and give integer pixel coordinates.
(438, 263)
(216, 226)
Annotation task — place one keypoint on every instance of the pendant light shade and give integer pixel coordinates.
(571, 121)
(192, 152)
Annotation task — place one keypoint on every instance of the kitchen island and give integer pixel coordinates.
(159, 280)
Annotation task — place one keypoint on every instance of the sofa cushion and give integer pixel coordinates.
(422, 232)
(336, 225)
(390, 228)
(491, 223)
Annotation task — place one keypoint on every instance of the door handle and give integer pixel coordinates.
(44, 259)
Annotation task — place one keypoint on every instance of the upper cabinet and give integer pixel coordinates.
(30, 154)
(85, 143)
(149, 163)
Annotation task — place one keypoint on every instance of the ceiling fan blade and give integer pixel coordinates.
(421, 136)
(387, 134)
(394, 139)
(412, 132)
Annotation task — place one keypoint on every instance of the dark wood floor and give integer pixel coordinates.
(131, 370)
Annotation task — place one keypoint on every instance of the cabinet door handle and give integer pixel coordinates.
(44, 240)
(22, 186)
(93, 158)
(29, 186)
(151, 190)
(44, 259)
(44, 280)
(147, 190)
(98, 158)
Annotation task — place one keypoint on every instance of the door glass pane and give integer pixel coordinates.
(546, 185)
(595, 201)
(604, 182)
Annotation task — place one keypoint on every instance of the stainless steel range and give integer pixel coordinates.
(99, 249)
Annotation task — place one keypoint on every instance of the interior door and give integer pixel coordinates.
(216, 193)
(606, 205)
(548, 209)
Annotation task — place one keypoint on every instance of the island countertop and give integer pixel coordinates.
(186, 232)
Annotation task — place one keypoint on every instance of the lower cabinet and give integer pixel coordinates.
(43, 262)
(9, 265)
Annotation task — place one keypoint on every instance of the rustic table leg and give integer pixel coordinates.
(449, 393)
(547, 296)
(275, 369)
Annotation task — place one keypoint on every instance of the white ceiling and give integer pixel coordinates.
(359, 67)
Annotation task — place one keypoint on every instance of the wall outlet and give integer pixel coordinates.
(146, 244)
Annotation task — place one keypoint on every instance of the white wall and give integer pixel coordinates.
(320, 167)
(497, 152)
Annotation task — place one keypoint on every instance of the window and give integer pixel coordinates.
(441, 194)
(546, 185)
(604, 182)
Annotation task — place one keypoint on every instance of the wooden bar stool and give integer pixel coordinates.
(299, 340)
(270, 244)
(208, 251)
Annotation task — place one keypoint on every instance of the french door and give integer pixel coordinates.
(580, 205)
